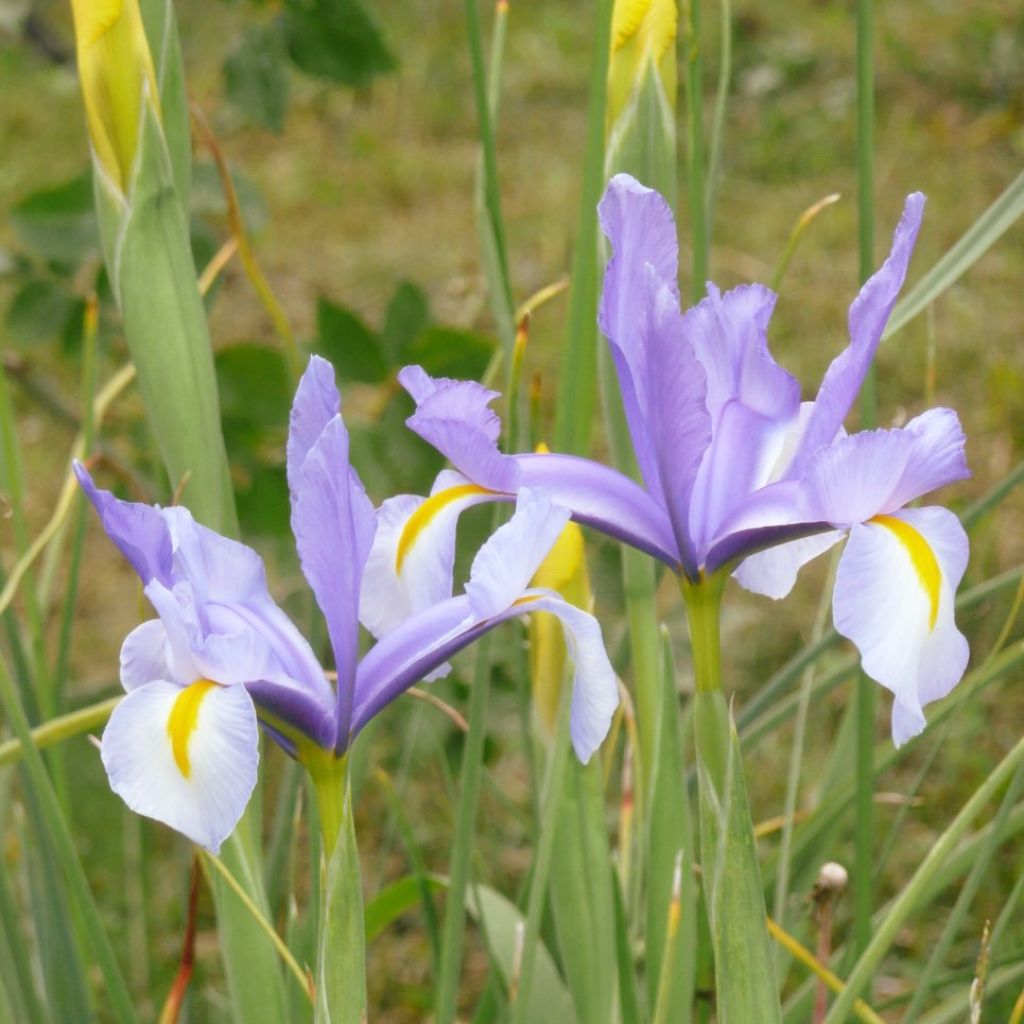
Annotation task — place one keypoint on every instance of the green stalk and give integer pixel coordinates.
(912, 895)
(718, 118)
(488, 197)
(695, 144)
(745, 983)
(577, 381)
(866, 690)
(452, 935)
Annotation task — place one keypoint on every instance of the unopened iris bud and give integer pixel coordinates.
(643, 37)
(564, 571)
(116, 69)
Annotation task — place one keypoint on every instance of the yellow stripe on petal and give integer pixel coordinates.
(184, 718)
(926, 565)
(425, 514)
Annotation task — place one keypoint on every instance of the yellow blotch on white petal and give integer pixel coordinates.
(116, 71)
(923, 559)
(183, 719)
(425, 514)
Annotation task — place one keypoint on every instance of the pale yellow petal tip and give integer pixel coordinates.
(643, 32)
(116, 70)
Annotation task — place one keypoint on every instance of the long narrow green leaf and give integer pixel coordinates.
(341, 962)
(975, 242)
(744, 970)
(16, 976)
(581, 894)
(670, 830)
(911, 896)
(925, 983)
(452, 936)
(117, 997)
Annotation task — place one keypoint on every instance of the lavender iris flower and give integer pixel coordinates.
(738, 474)
(221, 657)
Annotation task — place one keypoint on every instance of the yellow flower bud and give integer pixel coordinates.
(564, 570)
(116, 69)
(643, 32)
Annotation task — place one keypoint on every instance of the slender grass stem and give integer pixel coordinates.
(695, 144)
(118, 999)
(865, 689)
(554, 791)
(56, 730)
(259, 919)
(452, 935)
(717, 141)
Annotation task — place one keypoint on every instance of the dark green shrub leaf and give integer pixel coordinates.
(407, 317)
(256, 77)
(40, 311)
(354, 349)
(335, 39)
(58, 224)
(449, 352)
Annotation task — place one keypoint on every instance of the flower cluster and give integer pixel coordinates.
(222, 658)
(739, 475)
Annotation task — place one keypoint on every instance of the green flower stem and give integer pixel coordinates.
(329, 775)
(702, 601)
(745, 986)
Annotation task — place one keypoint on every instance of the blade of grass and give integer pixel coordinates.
(908, 900)
(59, 729)
(865, 700)
(1004, 212)
(117, 998)
(690, 17)
(487, 195)
(453, 932)
(718, 117)
(89, 336)
(220, 869)
(551, 806)
(925, 982)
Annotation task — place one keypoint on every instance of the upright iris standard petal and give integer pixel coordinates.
(640, 226)
(868, 316)
(677, 416)
(186, 756)
(893, 598)
(333, 522)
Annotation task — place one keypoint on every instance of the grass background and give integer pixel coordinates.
(366, 189)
